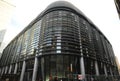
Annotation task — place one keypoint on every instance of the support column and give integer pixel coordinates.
(23, 71)
(10, 69)
(16, 66)
(111, 71)
(2, 71)
(35, 69)
(96, 68)
(42, 68)
(82, 66)
(6, 69)
(105, 70)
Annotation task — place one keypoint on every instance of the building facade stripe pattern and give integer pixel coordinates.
(60, 44)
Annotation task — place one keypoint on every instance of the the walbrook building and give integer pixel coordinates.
(61, 44)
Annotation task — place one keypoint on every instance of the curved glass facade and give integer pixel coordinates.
(59, 45)
(59, 33)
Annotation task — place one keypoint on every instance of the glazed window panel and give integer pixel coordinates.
(58, 51)
(59, 24)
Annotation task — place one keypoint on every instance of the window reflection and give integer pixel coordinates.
(58, 51)
(58, 47)
(59, 27)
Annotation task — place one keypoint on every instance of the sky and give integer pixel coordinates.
(103, 14)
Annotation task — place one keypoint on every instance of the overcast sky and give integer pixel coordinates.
(103, 13)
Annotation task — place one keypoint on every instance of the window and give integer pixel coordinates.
(58, 43)
(58, 47)
(58, 51)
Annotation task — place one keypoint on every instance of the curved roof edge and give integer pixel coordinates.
(66, 4)
(58, 4)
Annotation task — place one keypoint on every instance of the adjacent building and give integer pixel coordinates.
(60, 44)
(117, 3)
(6, 11)
(2, 34)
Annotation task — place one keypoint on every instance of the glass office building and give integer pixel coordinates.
(61, 44)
